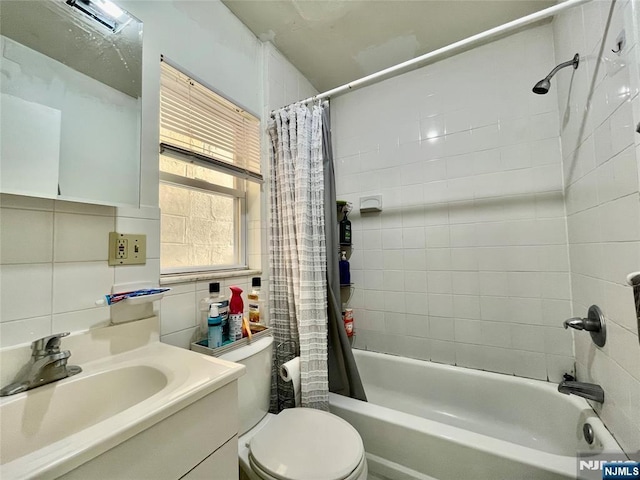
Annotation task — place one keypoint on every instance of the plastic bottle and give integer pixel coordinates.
(345, 230)
(223, 308)
(236, 307)
(205, 305)
(345, 273)
(347, 318)
(254, 300)
(214, 323)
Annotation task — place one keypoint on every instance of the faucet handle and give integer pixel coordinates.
(594, 324)
(575, 322)
(47, 345)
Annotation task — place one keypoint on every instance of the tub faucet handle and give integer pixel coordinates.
(594, 324)
(575, 322)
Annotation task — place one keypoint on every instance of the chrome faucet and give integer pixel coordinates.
(590, 391)
(581, 324)
(594, 324)
(47, 364)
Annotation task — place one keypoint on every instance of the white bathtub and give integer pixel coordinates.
(425, 420)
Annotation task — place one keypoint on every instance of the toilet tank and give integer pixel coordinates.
(254, 387)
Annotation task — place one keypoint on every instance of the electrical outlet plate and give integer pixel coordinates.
(127, 249)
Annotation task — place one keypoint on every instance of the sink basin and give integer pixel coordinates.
(130, 381)
(50, 413)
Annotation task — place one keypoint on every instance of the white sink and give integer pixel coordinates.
(50, 413)
(52, 429)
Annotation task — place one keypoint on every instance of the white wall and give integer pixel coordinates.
(600, 107)
(468, 262)
(53, 255)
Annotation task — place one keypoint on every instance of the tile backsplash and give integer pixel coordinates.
(600, 107)
(180, 318)
(468, 262)
(53, 264)
(505, 212)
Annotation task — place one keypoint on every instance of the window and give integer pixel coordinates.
(209, 162)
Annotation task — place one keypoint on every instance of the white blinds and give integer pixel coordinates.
(195, 120)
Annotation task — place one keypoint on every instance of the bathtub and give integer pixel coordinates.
(430, 421)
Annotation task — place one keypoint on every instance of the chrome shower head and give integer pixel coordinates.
(544, 85)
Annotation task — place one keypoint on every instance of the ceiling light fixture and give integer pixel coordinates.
(104, 12)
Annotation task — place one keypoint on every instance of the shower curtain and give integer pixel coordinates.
(297, 251)
(304, 295)
(343, 373)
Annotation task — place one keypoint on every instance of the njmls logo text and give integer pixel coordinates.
(611, 470)
(599, 464)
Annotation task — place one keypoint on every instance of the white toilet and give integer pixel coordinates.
(296, 444)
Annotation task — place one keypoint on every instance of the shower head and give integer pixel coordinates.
(544, 85)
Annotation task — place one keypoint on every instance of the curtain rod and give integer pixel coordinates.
(487, 34)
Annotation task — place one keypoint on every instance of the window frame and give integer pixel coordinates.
(239, 193)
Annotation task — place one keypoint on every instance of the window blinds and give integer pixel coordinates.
(198, 123)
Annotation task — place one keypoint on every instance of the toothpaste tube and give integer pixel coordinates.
(118, 297)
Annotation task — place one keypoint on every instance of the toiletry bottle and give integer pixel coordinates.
(205, 305)
(214, 323)
(347, 318)
(254, 300)
(223, 308)
(345, 230)
(236, 307)
(345, 274)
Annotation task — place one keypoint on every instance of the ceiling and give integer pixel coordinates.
(333, 42)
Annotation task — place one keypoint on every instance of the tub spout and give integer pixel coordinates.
(590, 391)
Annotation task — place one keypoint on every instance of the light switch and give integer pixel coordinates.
(127, 249)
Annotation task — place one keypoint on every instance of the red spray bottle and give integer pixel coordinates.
(236, 307)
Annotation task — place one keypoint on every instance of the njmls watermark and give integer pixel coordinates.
(607, 467)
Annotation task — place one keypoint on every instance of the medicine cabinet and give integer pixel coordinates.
(70, 80)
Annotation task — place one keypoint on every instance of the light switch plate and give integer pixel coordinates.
(127, 249)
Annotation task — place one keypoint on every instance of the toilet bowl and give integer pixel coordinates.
(302, 444)
(296, 444)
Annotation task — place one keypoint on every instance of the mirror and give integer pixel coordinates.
(70, 110)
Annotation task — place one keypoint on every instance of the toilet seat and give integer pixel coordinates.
(359, 473)
(307, 444)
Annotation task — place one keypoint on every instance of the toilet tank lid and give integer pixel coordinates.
(245, 351)
(304, 443)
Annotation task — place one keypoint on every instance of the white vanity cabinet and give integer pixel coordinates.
(198, 442)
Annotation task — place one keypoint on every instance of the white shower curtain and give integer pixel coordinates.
(297, 249)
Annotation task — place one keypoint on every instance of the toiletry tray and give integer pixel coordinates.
(201, 346)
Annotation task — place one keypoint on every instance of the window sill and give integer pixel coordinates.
(173, 279)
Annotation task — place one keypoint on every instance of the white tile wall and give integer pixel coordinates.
(53, 264)
(470, 251)
(601, 171)
(180, 316)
